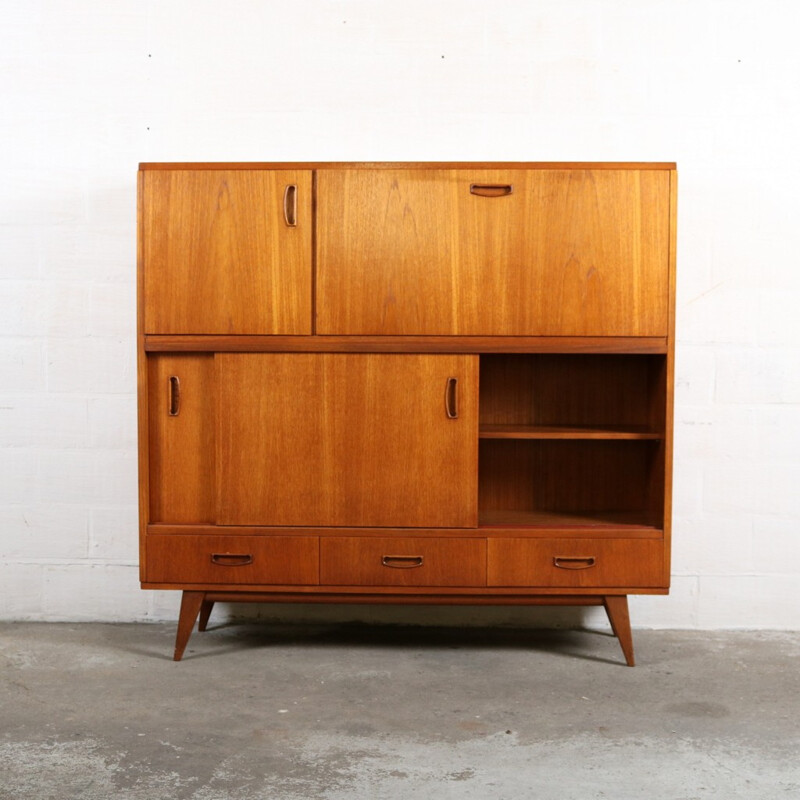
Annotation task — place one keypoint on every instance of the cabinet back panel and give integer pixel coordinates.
(567, 252)
(571, 477)
(218, 255)
(578, 390)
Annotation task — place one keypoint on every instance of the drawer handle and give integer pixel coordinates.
(174, 395)
(574, 562)
(231, 559)
(290, 205)
(451, 398)
(491, 189)
(402, 562)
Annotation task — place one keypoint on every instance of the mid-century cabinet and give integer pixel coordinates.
(406, 383)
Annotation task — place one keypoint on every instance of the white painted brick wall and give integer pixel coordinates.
(90, 88)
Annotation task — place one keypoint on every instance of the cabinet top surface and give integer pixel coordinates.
(254, 165)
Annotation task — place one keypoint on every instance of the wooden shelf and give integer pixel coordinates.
(566, 432)
(632, 521)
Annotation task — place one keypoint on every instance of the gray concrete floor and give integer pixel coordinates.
(357, 711)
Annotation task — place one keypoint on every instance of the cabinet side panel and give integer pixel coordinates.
(182, 445)
(670, 380)
(141, 381)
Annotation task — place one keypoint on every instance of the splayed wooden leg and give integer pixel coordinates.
(205, 613)
(191, 603)
(616, 607)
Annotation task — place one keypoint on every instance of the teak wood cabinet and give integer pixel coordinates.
(406, 383)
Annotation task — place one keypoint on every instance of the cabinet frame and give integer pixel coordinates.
(198, 599)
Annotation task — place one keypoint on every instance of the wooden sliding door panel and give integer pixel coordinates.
(182, 424)
(227, 251)
(348, 439)
(493, 252)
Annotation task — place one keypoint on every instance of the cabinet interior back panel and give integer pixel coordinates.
(493, 252)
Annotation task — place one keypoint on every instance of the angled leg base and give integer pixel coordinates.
(191, 603)
(205, 613)
(616, 607)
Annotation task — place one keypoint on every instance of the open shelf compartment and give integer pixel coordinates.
(572, 442)
(575, 396)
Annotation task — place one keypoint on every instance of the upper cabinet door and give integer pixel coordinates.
(347, 439)
(572, 252)
(227, 251)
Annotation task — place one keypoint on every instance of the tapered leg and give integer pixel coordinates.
(616, 606)
(205, 613)
(191, 602)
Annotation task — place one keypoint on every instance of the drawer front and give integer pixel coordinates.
(248, 560)
(576, 562)
(392, 561)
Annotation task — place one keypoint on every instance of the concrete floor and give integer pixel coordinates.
(261, 711)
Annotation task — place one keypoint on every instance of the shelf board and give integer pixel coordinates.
(566, 432)
(602, 520)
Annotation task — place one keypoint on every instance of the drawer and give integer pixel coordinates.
(576, 562)
(410, 561)
(250, 560)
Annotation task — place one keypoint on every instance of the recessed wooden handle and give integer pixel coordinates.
(451, 398)
(402, 562)
(174, 395)
(491, 189)
(574, 562)
(231, 559)
(290, 205)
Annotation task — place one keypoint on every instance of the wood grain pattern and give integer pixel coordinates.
(549, 525)
(187, 559)
(182, 447)
(371, 165)
(406, 344)
(142, 390)
(427, 595)
(445, 562)
(566, 432)
(218, 256)
(670, 382)
(570, 252)
(557, 523)
(617, 562)
(339, 439)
